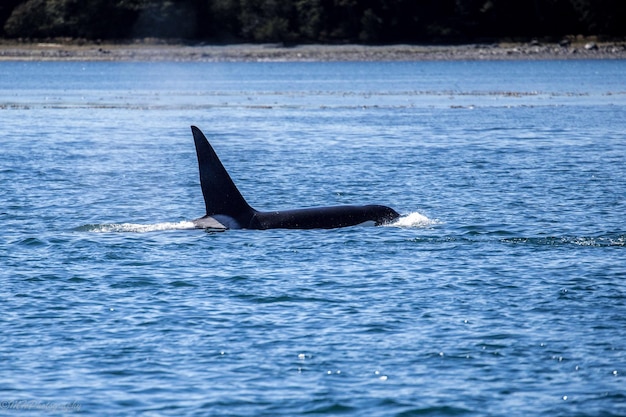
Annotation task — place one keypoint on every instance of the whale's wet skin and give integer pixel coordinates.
(500, 289)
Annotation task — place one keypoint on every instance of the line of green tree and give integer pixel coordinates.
(326, 21)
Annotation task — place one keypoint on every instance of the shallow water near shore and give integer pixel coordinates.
(500, 290)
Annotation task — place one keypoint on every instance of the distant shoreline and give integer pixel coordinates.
(154, 50)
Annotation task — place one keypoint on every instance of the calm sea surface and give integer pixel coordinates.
(502, 290)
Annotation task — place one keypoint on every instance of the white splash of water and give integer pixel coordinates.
(139, 228)
(411, 220)
(414, 219)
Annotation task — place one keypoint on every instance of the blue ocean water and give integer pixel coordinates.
(500, 291)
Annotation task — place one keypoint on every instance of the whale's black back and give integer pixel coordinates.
(221, 196)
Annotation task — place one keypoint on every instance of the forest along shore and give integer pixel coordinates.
(147, 50)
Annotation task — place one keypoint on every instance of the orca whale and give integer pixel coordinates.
(227, 209)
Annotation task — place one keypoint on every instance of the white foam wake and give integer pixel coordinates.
(414, 220)
(138, 228)
(410, 220)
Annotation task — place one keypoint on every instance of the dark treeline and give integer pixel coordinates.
(298, 21)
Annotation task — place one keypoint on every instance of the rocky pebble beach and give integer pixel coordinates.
(154, 50)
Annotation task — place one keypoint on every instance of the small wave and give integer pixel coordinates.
(135, 228)
(414, 220)
(597, 241)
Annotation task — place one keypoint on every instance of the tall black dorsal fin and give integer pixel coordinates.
(221, 196)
